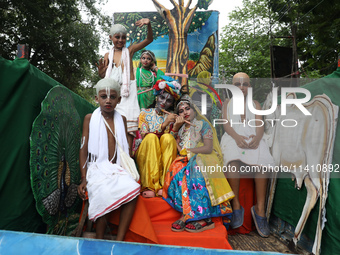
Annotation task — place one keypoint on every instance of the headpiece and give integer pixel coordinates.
(167, 84)
(185, 99)
(151, 54)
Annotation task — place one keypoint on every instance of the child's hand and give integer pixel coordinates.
(152, 66)
(178, 123)
(241, 141)
(254, 143)
(170, 118)
(101, 67)
(142, 22)
(82, 189)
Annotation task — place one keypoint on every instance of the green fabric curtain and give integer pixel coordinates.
(23, 87)
(289, 202)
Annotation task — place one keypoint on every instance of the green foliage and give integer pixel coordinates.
(199, 20)
(244, 45)
(63, 44)
(318, 33)
(194, 56)
(203, 4)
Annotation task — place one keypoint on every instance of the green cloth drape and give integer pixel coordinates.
(23, 88)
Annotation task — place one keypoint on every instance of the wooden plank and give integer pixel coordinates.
(254, 242)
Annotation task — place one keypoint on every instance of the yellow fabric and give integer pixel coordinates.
(204, 77)
(154, 157)
(216, 183)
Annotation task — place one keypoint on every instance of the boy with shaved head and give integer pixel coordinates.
(242, 146)
(109, 186)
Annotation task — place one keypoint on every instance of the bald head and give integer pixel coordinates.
(241, 78)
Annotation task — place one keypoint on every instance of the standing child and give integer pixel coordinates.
(117, 64)
(109, 186)
(146, 76)
(243, 146)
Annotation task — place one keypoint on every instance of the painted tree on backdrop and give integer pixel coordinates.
(179, 20)
(176, 23)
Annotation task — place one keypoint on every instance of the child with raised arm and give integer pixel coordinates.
(117, 64)
(242, 146)
(109, 186)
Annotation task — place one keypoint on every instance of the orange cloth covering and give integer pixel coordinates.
(151, 223)
(247, 197)
(152, 219)
(140, 229)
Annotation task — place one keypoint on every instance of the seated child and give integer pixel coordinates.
(158, 147)
(109, 186)
(242, 145)
(146, 76)
(188, 186)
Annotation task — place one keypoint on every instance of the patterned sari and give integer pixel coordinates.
(188, 187)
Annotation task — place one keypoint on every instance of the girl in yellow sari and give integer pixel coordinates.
(195, 184)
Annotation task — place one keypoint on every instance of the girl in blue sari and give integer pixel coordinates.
(188, 187)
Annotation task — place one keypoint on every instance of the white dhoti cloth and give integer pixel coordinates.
(231, 152)
(129, 107)
(109, 185)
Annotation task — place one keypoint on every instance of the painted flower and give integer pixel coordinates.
(200, 209)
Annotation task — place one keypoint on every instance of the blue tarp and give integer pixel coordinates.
(18, 243)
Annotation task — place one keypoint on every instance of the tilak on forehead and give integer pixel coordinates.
(185, 99)
(107, 84)
(241, 78)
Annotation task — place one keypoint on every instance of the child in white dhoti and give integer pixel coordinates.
(109, 186)
(242, 146)
(117, 64)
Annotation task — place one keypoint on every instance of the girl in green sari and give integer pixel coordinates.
(146, 75)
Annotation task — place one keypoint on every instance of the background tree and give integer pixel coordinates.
(317, 32)
(245, 41)
(63, 44)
